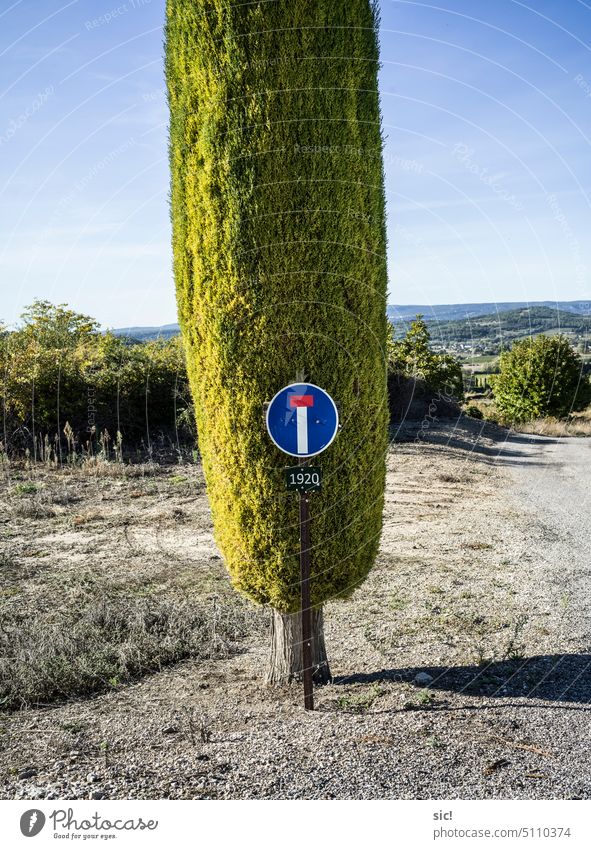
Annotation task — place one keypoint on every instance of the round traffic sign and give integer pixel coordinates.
(302, 420)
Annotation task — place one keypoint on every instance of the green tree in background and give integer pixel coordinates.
(540, 376)
(279, 256)
(412, 358)
(56, 327)
(58, 369)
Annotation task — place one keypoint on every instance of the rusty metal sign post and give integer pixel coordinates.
(302, 420)
(306, 599)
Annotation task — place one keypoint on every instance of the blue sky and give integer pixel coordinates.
(486, 110)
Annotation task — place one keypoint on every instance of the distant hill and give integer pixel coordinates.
(505, 327)
(457, 312)
(455, 321)
(145, 334)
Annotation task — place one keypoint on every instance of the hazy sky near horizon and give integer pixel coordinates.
(487, 117)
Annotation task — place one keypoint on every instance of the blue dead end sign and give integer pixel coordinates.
(302, 420)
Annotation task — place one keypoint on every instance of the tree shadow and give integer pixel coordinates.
(564, 678)
(474, 436)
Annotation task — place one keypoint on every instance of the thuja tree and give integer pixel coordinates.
(279, 258)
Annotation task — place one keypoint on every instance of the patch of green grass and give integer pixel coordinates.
(396, 602)
(73, 727)
(515, 650)
(425, 699)
(8, 592)
(178, 479)
(360, 702)
(26, 488)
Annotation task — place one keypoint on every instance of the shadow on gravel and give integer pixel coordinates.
(553, 678)
(468, 434)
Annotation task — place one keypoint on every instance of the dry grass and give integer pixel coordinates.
(486, 406)
(108, 642)
(32, 510)
(578, 425)
(98, 467)
(88, 601)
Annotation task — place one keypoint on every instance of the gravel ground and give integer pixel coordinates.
(481, 585)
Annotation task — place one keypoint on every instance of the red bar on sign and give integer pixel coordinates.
(301, 400)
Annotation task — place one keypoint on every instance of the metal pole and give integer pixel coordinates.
(305, 595)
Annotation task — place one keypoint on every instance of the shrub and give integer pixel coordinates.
(104, 642)
(58, 372)
(473, 411)
(420, 382)
(412, 357)
(539, 377)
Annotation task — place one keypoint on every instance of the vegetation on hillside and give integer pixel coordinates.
(492, 333)
(68, 390)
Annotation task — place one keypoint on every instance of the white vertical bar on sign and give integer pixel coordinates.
(302, 425)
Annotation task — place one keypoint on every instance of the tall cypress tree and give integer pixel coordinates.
(279, 259)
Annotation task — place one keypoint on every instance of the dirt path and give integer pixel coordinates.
(481, 583)
(554, 483)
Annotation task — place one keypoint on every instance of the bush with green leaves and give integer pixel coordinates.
(473, 411)
(57, 368)
(540, 376)
(412, 358)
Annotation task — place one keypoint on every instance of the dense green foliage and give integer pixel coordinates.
(58, 369)
(540, 377)
(279, 253)
(413, 358)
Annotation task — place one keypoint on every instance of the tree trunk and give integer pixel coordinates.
(285, 661)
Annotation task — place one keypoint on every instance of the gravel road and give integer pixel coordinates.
(554, 484)
(481, 584)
